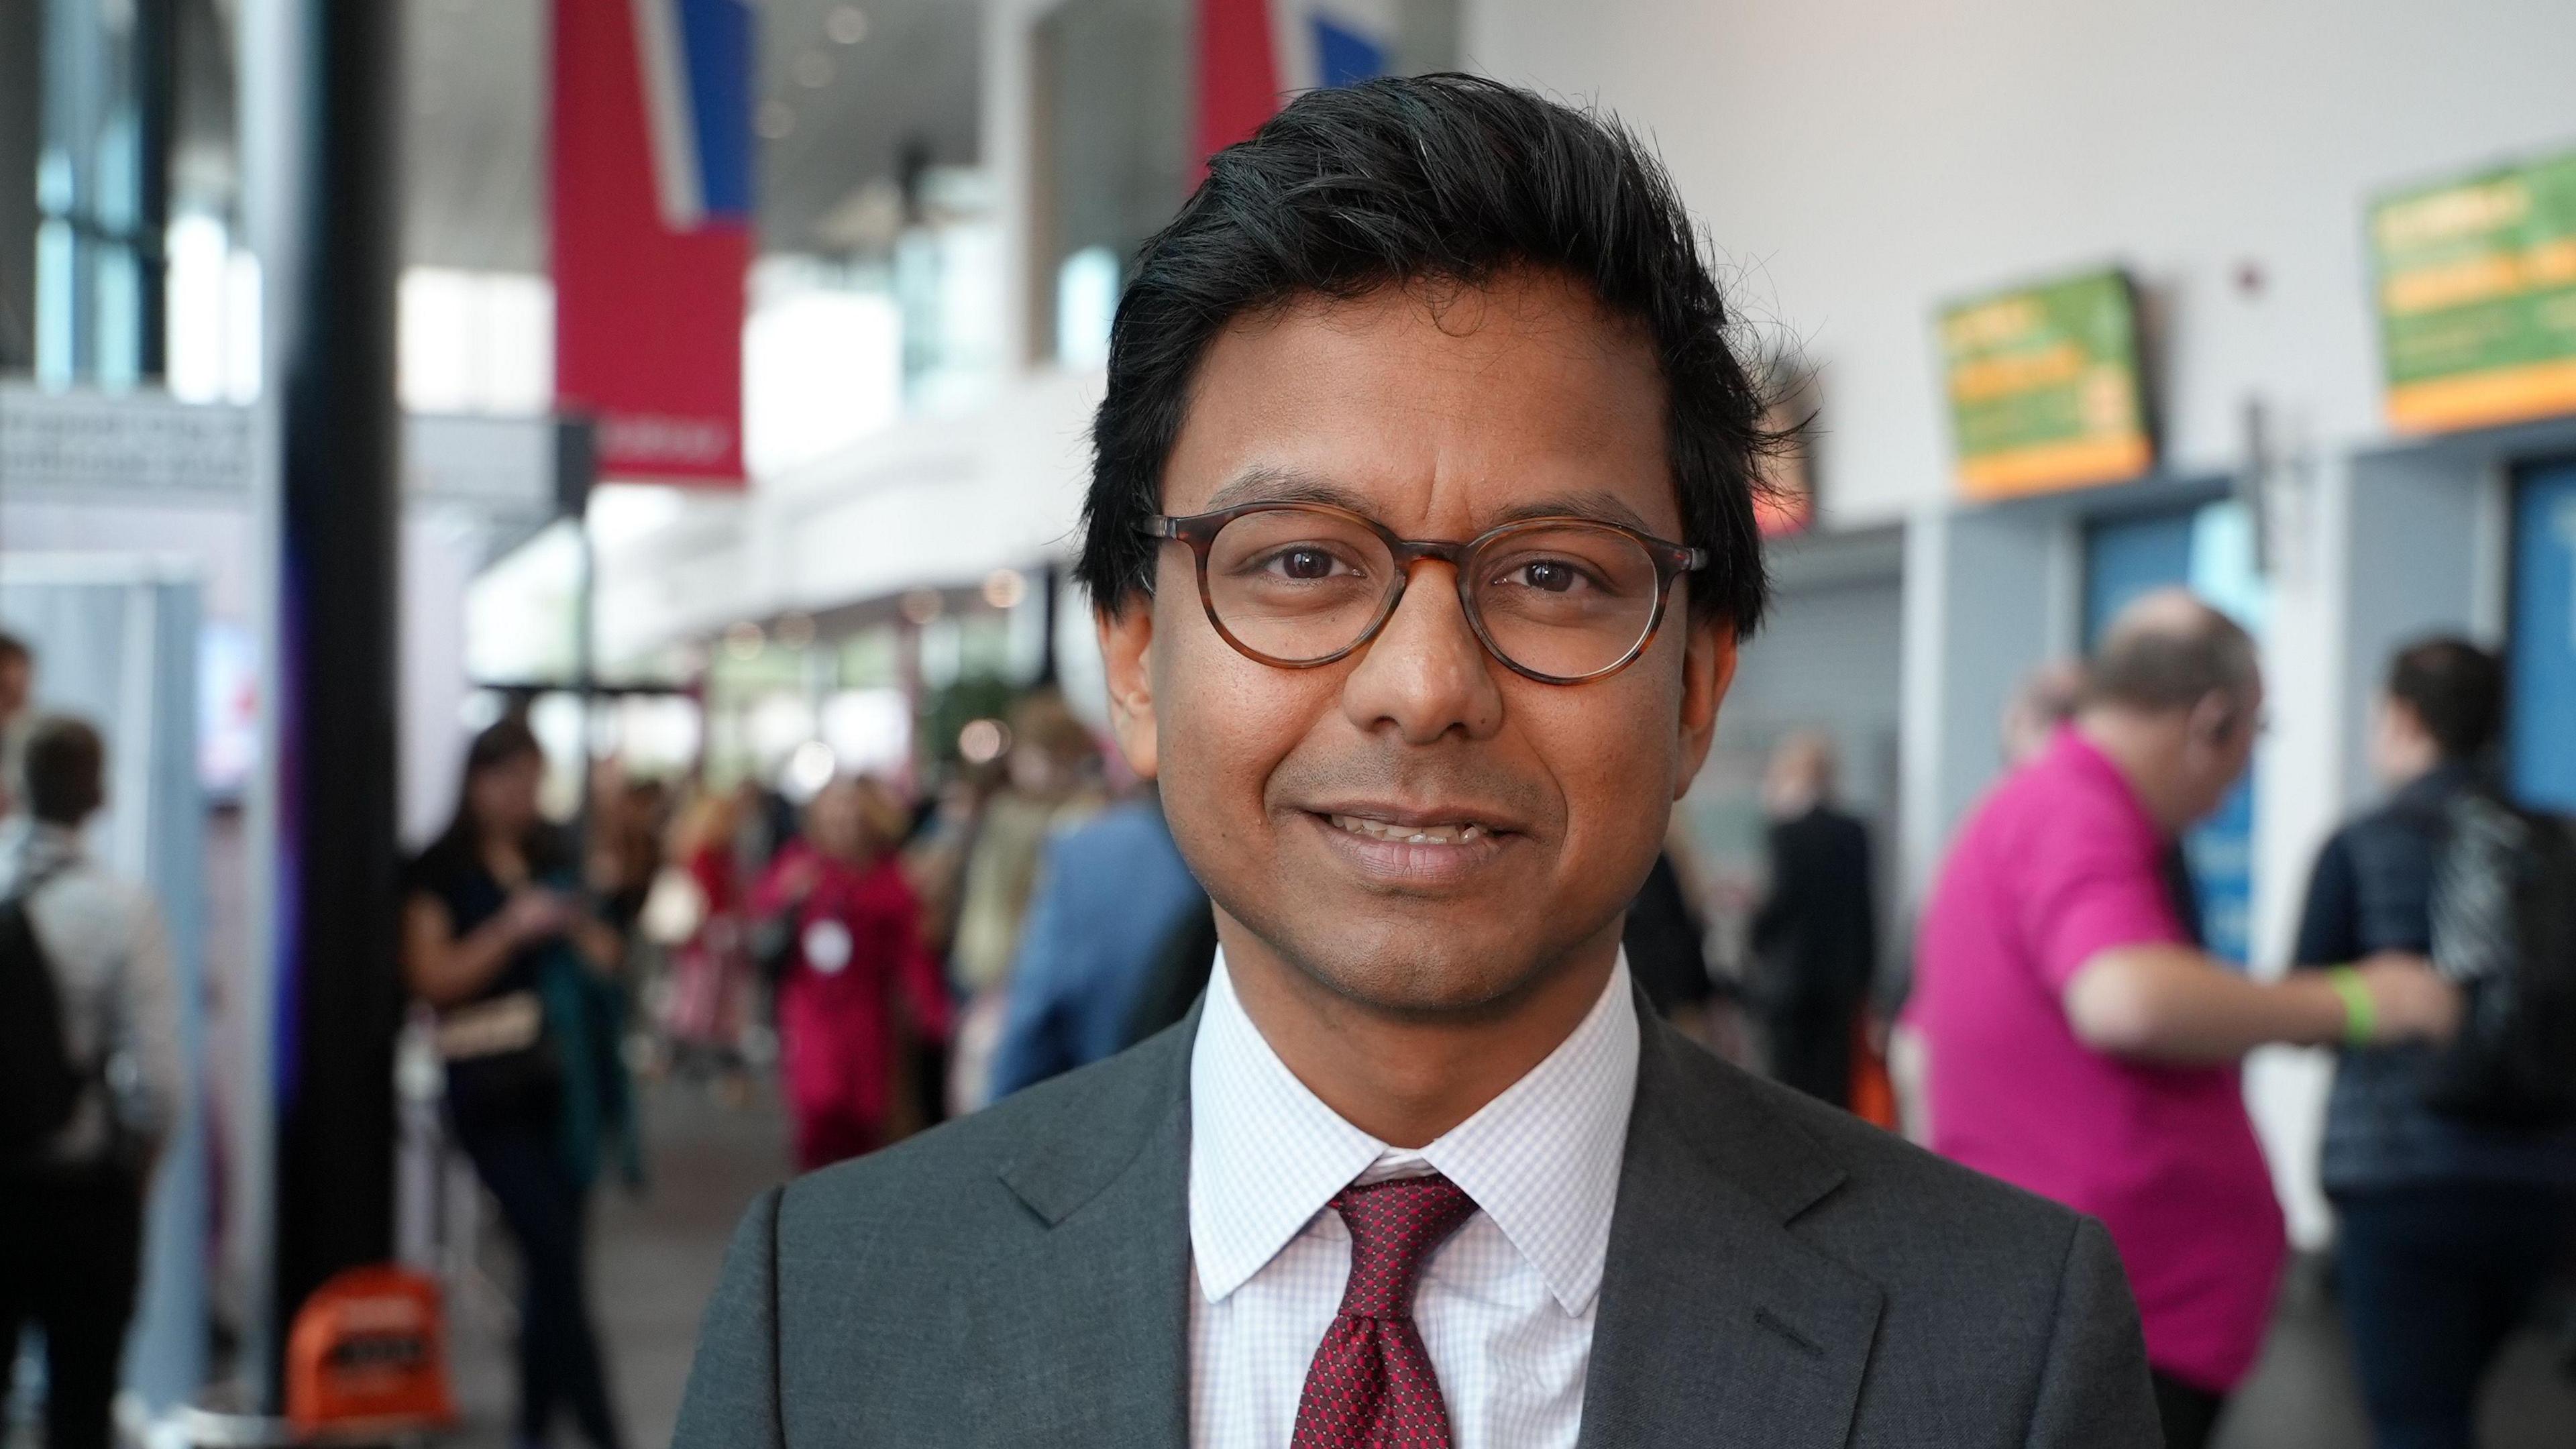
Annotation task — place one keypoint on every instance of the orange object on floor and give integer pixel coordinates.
(369, 1350)
(1873, 1091)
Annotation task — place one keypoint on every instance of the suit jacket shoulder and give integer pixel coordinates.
(1017, 1276)
(1857, 1289)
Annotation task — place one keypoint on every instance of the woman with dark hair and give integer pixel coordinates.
(498, 940)
(2448, 1227)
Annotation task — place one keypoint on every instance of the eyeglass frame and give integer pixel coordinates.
(1199, 531)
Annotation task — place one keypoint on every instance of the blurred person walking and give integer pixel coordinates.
(1109, 896)
(2082, 1048)
(90, 1078)
(855, 982)
(17, 692)
(498, 937)
(2043, 703)
(1052, 783)
(700, 909)
(1815, 938)
(2448, 1226)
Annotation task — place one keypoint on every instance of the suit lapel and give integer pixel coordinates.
(1095, 1352)
(1717, 1324)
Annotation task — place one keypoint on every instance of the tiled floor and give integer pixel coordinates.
(654, 1261)
(2303, 1396)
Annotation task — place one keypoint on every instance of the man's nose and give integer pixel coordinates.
(1426, 675)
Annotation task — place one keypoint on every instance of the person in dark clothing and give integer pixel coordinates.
(2448, 1228)
(1815, 939)
(1663, 938)
(497, 939)
(73, 1183)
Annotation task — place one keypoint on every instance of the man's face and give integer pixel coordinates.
(1283, 785)
(2219, 745)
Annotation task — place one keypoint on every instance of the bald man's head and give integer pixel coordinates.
(2175, 696)
(2169, 651)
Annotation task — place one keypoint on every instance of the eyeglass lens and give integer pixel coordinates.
(1563, 600)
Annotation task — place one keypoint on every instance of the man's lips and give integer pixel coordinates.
(1437, 824)
(1444, 833)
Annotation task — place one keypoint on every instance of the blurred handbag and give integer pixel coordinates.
(501, 1064)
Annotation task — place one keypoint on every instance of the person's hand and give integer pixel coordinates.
(2409, 1001)
(534, 914)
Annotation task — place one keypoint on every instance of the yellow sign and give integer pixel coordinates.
(2477, 297)
(2045, 388)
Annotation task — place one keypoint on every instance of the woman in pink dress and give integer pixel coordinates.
(858, 982)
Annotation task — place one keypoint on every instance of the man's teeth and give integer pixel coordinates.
(1411, 834)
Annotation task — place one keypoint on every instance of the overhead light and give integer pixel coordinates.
(744, 641)
(777, 120)
(922, 605)
(847, 24)
(812, 69)
(795, 631)
(1004, 588)
(810, 767)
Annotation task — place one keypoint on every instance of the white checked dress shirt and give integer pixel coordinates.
(1505, 1307)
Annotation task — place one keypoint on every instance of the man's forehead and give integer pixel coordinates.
(1430, 416)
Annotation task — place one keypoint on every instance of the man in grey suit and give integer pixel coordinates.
(1420, 1170)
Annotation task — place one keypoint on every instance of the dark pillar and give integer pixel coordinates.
(339, 997)
(1051, 587)
(22, 57)
(156, 106)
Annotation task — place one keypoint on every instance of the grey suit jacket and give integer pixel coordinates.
(1781, 1276)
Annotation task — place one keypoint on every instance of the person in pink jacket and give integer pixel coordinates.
(858, 983)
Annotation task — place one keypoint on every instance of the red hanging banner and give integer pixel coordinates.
(651, 210)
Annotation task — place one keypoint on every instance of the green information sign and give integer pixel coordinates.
(2045, 387)
(2477, 297)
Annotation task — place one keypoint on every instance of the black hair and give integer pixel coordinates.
(64, 768)
(1444, 179)
(2456, 689)
(459, 848)
(14, 650)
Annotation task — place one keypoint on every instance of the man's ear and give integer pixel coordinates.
(1126, 639)
(1708, 668)
(2213, 718)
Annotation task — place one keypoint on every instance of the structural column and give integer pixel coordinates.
(320, 85)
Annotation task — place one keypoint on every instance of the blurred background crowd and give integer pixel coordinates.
(540, 689)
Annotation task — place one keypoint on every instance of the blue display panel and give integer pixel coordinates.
(2541, 735)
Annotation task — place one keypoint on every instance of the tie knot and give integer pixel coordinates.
(1394, 1226)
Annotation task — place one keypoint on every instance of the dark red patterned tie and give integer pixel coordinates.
(1371, 1385)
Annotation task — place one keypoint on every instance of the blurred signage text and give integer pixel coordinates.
(140, 440)
(2477, 297)
(2045, 387)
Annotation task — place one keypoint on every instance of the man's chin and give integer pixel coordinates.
(1422, 969)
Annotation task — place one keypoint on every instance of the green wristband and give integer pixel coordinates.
(2360, 1015)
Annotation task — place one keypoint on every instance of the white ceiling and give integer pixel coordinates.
(473, 78)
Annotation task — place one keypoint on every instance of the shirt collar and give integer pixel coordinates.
(1541, 1160)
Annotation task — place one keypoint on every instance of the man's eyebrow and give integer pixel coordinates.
(1591, 503)
(1263, 483)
